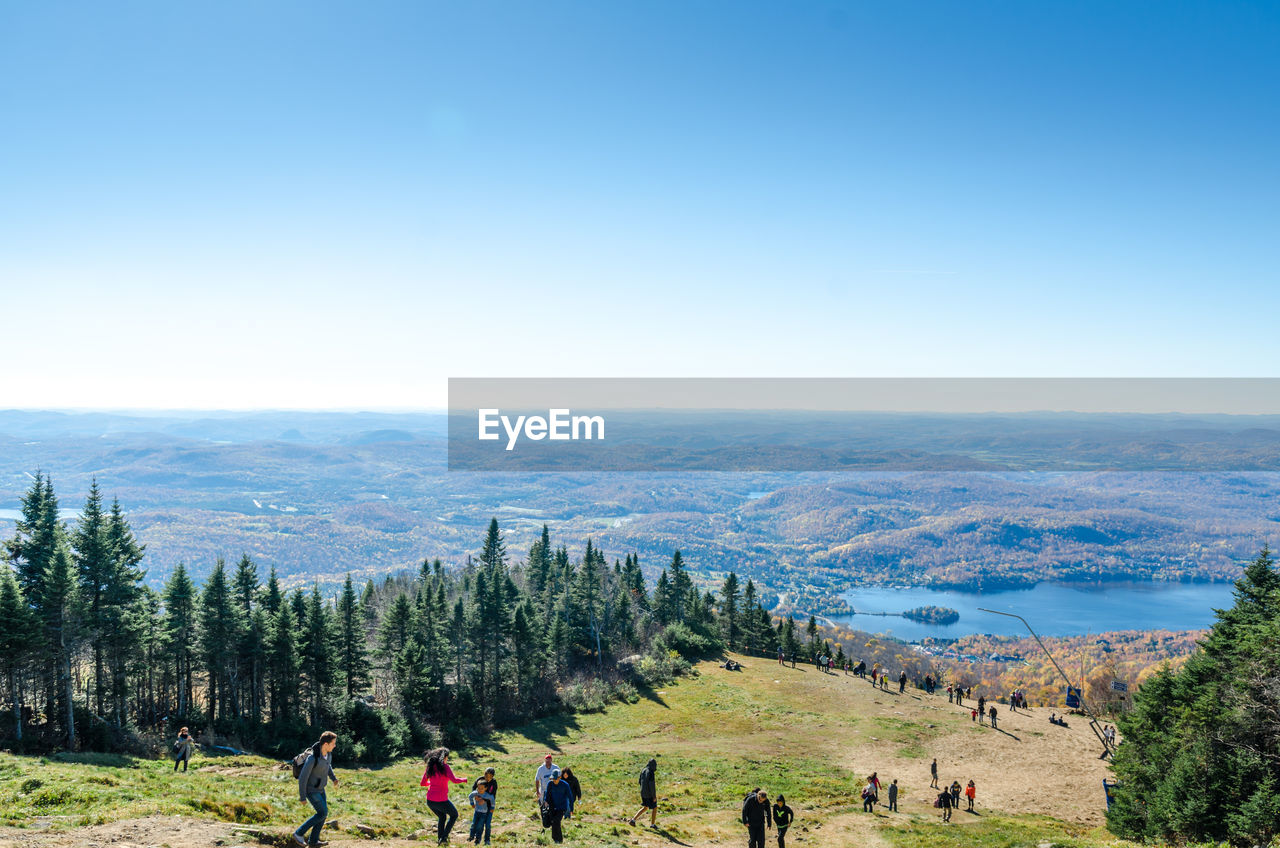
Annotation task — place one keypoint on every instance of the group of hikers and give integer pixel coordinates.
(556, 790)
(759, 816)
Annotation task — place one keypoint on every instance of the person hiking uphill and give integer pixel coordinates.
(944, 802)
(757, 816)
(783, 816)
(542, 777)
(648, 794)
(316, 772)
(437, 778)
(559, 800)
(182, 749)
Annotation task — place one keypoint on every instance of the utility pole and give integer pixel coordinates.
(1093, 720)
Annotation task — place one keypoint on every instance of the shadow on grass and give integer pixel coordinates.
(647, 692)
(1012, 736)
(543, 731)
(93, 758)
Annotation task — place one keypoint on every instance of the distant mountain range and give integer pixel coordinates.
(321, 494)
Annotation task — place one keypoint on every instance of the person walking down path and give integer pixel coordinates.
(951, 695)
(969, 792)
(488, 785)
(648, 794)
(955, 794)
(316, 773)
(783, 816)
(542, 777)
(893, 796)
(482, 800)
(757, 816)
(437, 778)
(902, 682)
(992, 715)
(182, 749)
(559, 799)
(933, 772)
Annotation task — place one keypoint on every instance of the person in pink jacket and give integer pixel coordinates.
(437, 779)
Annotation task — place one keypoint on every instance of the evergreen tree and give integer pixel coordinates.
(220, 624)
(352, 660)
(1199, 762)
(180, 631)
(17, 630)
(93, 558)
(730, 620)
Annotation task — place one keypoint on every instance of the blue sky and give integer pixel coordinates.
(336, 205)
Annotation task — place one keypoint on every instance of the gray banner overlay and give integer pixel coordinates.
(565, 425)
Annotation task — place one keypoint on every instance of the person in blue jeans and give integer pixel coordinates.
(316, 773)
(482, 819)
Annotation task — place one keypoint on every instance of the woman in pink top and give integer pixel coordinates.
(437, 780)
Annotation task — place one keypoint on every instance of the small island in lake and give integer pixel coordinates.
(933, 615)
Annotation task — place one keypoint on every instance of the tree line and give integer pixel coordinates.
(90, 654)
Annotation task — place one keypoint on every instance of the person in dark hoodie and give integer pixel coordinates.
(783, 816)
(648, 794)
(757, 816)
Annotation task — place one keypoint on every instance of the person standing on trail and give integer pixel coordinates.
(758, 817)
(559, 798)
(783, 816)
(969, 792)
(982, 703)
(992, 714)
(437, 778)
(959, 697)
(951, 695)
(482, 818)
(893, 796)
(955, 794)
(780, 660)
(902, 682)
(316, 772)
(648, 794)
(182, 749)
(944, 801)
(487, 785)
(933, 772)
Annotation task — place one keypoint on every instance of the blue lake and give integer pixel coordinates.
(1054, 609)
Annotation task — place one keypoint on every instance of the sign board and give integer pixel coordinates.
(1119, 686)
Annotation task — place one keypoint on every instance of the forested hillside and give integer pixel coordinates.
(321, 496)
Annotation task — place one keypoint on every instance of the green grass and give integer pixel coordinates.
(715, 735)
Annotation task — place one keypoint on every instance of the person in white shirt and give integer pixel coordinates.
(542, 777)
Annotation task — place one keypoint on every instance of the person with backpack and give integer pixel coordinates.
(648, 794)
(558, 799)
(437, 778)
(944, 802)
(783, 816)
(869, 797)
(955, 794)
(182, 749)
(313, 773)
(481, 819)
(757, 816)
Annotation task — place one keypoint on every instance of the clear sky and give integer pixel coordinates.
(336, 205)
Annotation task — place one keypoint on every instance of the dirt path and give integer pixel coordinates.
(149, 832)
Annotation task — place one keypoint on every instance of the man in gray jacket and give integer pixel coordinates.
(316, 773)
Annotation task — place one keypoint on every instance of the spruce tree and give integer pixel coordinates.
(352, 660)
(17, 637)
(730, 620)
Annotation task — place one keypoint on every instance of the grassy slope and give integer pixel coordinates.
(809, 735)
